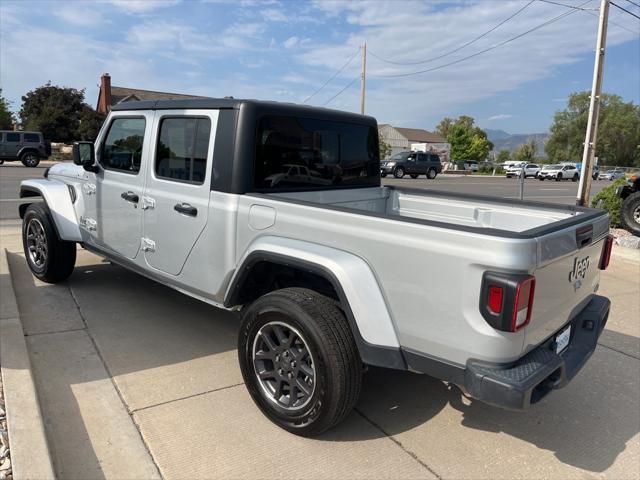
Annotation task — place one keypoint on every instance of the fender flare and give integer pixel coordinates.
(353, 280)
(28, 149)
(58, 200)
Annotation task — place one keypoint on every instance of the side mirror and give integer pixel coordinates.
(85, 156)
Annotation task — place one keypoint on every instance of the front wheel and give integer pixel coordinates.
(383, 174)
(558, 177)
(431, 173)
(1, 162)
(575, 178)
(398, 172)
(299, 360)
(630, 213)
(49, 259)
(30, 159)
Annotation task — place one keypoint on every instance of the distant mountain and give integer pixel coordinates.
(506, 141)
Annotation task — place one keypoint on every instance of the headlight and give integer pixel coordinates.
(391, 164)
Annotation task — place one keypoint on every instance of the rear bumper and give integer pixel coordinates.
(532, 377)
(519, 384)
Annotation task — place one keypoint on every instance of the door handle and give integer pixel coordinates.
(186, 209)
(130, 197)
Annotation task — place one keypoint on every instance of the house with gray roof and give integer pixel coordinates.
(402, 139)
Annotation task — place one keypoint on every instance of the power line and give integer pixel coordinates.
(625, 10)
(340, 92)
(455, 49)
(548, 22)
(567, 6)
(591, 12)
(332, 77)
(634, 3)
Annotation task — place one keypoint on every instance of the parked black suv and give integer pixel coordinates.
(28, 147)
(413, 164)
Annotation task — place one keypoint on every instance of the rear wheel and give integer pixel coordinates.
(398, 172)
(575, 178)
(558, 177)
(431, 173)
(49, 259)
(1, 162)
(630, 213)
(30, 159)
(299, 360)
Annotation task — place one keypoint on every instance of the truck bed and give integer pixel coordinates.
(495, 216)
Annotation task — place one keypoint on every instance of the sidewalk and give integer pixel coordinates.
(137, 380)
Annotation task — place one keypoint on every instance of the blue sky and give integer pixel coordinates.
(285, 50)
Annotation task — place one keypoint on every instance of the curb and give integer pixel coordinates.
(30, 456)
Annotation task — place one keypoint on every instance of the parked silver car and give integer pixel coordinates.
(497, 296)
(612, 174)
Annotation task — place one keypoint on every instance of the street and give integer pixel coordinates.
(11, 174)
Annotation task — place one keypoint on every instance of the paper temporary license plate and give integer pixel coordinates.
(562, 340)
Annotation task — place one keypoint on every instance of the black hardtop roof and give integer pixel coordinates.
(257, 106)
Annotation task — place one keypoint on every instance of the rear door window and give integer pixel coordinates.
(31, 138)
(13, 138)
(183, 145)
(122, 148)
(332, 154)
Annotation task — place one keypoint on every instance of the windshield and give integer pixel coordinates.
(316, 154)
(398, 157)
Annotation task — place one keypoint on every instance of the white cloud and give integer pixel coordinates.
(142, 6)
(274, 15)
(290, 42)
(501, 116)
(80, 15)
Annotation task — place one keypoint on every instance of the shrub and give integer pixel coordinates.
(607, 199)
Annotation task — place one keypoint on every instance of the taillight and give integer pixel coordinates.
(605, 256)
(523, 303)
(506, 300)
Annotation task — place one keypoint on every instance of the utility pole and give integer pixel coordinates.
(363, 77)
(594, 109)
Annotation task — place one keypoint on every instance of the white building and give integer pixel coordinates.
(402, 139)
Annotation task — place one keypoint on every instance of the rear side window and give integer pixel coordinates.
(13, 137)
(183, 144)
(32, 137)
(295, 153)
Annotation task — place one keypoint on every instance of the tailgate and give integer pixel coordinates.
(567, 276)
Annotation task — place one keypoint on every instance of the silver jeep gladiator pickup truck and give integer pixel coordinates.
(277, 211)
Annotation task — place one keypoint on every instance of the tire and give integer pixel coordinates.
(575, 178)
(398, 172)
(431, 173)
(333, 364)
(413, 175)
(559, 177)
(30, 159)
(383, 175)
(49, 259)
(1, 162)
(630, 213)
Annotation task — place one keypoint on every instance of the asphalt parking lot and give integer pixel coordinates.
(11, 174)
(137, 380)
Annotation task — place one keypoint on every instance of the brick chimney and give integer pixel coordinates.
(104, 97)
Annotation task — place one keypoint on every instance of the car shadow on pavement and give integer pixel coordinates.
(586, 425)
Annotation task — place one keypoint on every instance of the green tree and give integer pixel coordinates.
(6, 117)
(526, 152)
(618, 131)
(503, 156)
(444, 127)
(89, 124)
(54, 111)
(385, 148)
(468, 141)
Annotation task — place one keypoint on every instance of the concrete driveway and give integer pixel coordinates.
(137, 381)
